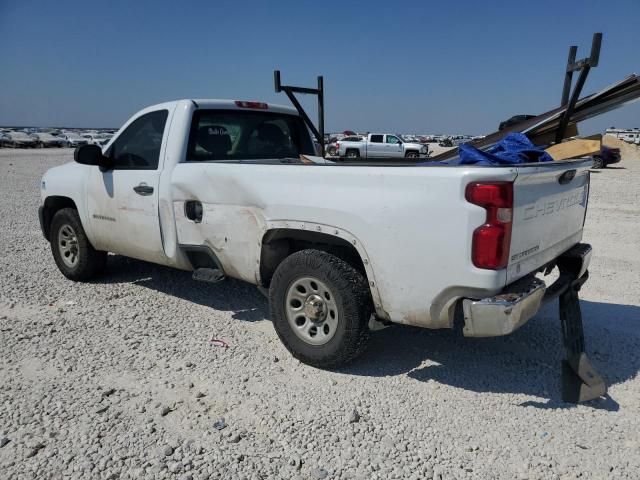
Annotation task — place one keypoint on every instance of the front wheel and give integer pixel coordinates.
(411, 154)
(320, 307)
(73, 253)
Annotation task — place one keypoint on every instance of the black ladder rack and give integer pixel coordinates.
(290, 90)
(584, 65)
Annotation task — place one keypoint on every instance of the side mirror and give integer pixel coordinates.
(91, 155)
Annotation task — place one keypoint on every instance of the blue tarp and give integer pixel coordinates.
(512, 149)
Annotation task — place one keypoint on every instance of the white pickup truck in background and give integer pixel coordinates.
(232, 189)
(378, 145)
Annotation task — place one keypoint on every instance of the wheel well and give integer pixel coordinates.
(51, 206)
(278, 244)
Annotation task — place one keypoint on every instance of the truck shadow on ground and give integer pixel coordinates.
(244, 301)
(526, 362)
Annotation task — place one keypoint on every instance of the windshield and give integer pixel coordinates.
(246, 135)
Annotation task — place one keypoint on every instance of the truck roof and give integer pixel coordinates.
(224, 104)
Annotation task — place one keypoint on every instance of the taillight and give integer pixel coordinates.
(491, 241)
(337, 145)
(256, 105)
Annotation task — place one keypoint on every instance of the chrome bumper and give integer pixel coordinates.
(504, 313)
(512, 308)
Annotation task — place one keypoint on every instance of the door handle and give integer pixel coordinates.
(143, 189)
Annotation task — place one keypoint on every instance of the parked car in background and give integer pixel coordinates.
(93, 138)
(630, 137)
(607, 156)
(105, 139)
(19, 140)
(459, 140)
(381, 145)
(4, 139)
(46, 140)
(74, 139)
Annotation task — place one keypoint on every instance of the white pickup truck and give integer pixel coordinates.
(381, 145)
(234, 189)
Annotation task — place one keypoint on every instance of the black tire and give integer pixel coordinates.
(353, 153)
(412, 154)
(89, 262)
(350, 295)
(598, 163)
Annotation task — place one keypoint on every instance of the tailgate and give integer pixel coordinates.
(550, 203)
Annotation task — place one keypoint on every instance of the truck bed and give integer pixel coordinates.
(411, 225)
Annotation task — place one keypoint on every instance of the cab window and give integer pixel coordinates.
(376, 139)
(229, 135)
(138, 147)
(392, 139)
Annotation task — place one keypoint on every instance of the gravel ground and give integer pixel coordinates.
(119, 379)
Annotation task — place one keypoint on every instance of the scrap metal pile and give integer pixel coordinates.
(555, 125)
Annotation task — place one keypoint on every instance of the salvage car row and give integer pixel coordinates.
(31, 138)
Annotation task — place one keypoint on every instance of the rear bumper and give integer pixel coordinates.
(517, 303)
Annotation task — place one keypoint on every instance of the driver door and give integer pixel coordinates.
(123, 201)
(393, 146)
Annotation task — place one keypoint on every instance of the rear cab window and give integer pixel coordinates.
(233, 135)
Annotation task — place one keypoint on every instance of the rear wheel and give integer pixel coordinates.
(353, 153)
(320, 307)
(598, 162)
(73, 253)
